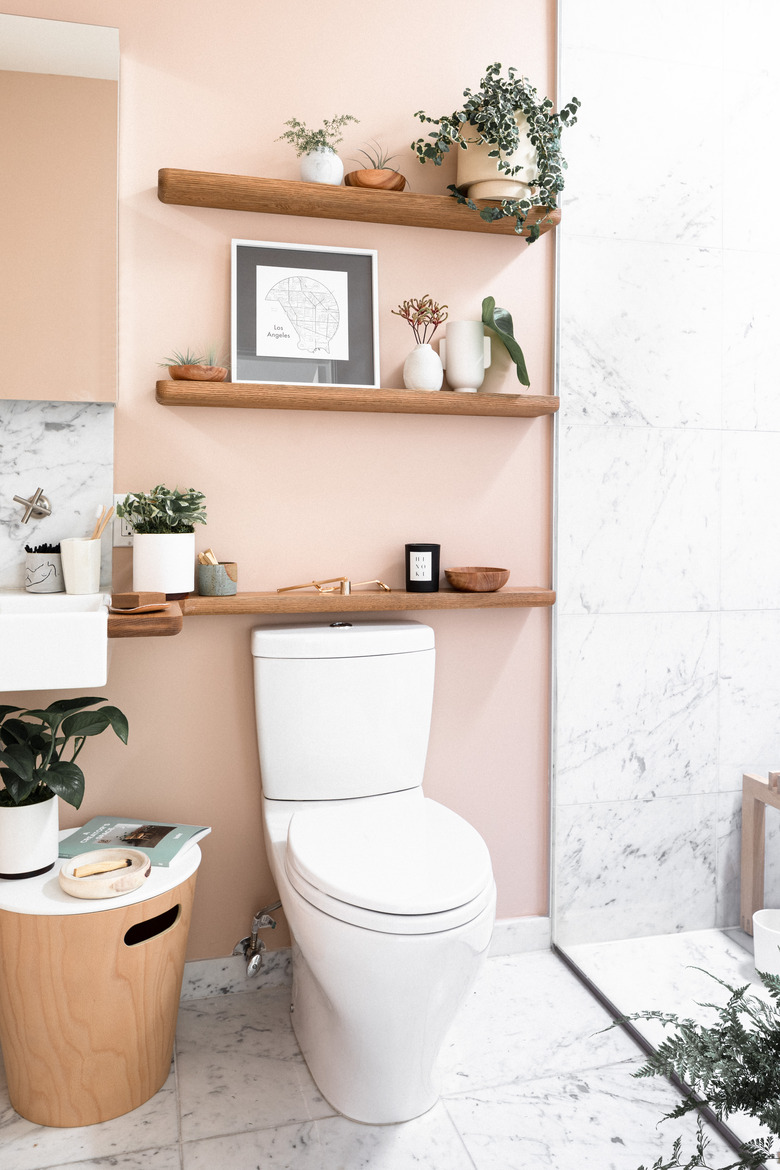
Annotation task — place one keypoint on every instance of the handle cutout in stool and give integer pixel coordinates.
(152, 927)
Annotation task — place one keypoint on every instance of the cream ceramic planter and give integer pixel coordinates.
(478, 175)
(29, 838)
(322, 165)
(164, 562)
(465, 353)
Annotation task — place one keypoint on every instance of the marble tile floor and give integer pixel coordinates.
(530, 1080)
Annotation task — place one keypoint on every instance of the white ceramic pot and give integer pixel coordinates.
(465, 352)
(322, 165)
(164, 563)
(423, 369)
(478, 175)
(29, 838)
(766, 941)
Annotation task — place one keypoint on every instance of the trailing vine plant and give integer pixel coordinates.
(488, 116)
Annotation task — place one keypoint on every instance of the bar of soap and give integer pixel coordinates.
(133, 600)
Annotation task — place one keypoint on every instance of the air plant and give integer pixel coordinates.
(424, 315)
(375, 156)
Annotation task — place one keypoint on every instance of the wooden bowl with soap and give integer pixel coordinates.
(476, 578)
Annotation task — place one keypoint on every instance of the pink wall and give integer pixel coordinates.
(293, 495)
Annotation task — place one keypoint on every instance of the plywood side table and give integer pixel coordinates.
(89, 993)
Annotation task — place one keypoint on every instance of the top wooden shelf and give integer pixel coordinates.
(326, 201)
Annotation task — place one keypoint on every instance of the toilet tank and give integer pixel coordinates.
(342, 710)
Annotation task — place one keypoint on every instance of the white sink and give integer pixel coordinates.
(53, 641)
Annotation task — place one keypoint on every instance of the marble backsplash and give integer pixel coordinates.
(68, 450)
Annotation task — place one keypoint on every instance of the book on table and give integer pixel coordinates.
(161, 841)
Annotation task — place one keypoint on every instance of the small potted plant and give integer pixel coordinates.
(34, 770)
(731, 1065)
(195, 367)
(317, 148)
(163, 523)
(508, 143)
(422, 368)
(378, 175)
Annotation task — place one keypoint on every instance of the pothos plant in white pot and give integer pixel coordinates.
(35, 770)
(507, 141)
(317, 148)
(163, 523)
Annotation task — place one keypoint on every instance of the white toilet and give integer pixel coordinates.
(389, 896)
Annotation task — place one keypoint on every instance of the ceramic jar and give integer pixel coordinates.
(29, 838)
(478, 175)
(322, 165)
(164, 563)
(466, 354)
(423, 369)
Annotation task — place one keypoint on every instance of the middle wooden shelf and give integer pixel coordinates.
(284, 396)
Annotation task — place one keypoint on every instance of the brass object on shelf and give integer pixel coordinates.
(341, 585)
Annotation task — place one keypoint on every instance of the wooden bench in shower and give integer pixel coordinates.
(757, 793)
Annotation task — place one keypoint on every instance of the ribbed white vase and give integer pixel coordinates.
(466, 353)
(164, 562)
(322, 165)
(29, 838)
(423, 369)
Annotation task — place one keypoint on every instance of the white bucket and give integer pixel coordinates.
(766, 941)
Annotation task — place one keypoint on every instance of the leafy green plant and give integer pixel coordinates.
(33, 743)
(376, 157)
(423, 314)
(326, 138)
(489, 116)
(500, 321)
(163, 510)
(732, 1066)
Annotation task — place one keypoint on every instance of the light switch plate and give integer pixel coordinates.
(122, 533)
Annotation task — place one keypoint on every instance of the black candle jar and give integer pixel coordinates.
(422, 568)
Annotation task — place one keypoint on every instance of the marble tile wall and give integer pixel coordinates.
(68, 450)
(668, 619)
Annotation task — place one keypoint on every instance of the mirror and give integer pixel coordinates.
(58, 209)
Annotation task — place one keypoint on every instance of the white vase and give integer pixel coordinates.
(322, 165)
(164, 562)
(423, 369)
(478, 175)
(465, 353)
(29, 838)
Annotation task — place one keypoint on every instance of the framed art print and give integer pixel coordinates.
(303, 314)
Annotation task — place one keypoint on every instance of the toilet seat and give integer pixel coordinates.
(418, 868)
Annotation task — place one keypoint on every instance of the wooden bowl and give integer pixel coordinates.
(476, 579)
(382, 179)
(198, 373)
(105, 885)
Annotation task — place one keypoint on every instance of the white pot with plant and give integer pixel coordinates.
(422, 368)
(163, 523)
(317, 148)
(34, 772)
(507, 137)
(196, 367)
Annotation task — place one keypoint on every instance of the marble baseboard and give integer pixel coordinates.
(208, 977)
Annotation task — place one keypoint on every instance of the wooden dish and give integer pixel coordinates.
(381, 179)
(105, 885)
(476, 579)
(198, 373)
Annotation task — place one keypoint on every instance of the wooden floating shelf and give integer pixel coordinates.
(164, 624)
(326, 201)
(369, 602)
(273, 396)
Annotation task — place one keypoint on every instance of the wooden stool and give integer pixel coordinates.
(757, 793)
(89, 993)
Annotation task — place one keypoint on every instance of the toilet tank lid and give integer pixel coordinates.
(340, 640)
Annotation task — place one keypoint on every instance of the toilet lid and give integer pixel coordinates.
(420, 858)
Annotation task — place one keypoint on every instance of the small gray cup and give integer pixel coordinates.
(218, 580)
(43, 573)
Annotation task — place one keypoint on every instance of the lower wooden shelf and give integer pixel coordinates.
(369, 602)
(147, 625)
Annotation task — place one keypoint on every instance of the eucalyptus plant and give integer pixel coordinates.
(732, 1066)
(33, 743)
(163, 510)
(489, 116)
(327, 137)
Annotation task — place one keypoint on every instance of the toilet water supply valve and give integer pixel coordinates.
(252, 946)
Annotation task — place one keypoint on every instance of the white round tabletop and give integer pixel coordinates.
(45, 895)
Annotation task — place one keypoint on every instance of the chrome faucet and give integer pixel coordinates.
(36, 506)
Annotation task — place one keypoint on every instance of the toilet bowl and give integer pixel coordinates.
(389, 895)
